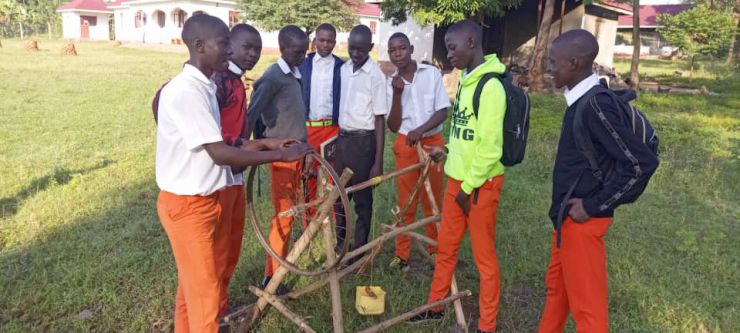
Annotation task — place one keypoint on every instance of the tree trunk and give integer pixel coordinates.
(637, 45)
(20, 26)
(733, 42)
(537, 67)
(48, 28)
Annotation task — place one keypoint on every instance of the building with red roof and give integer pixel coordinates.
(85, 19)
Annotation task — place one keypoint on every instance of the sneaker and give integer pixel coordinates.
(399, 264)
(281, 289)
(426, 317)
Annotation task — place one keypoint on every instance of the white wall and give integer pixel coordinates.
(71, 25)
(421, 37)
(605, 31)
(151, 32)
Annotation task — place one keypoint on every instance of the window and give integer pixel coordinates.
(233, 18)
(373, 26)
(178, 17)
(139, 19)
(159, 16)
(91, 20)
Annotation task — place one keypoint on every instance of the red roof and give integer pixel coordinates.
(368, 9)
(615, 4)
(95, 5)
(649, 15)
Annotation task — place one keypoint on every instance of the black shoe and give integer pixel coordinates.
(425, 317)
(281, 289)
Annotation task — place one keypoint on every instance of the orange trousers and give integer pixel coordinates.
(229, 234)
(190, 223)
(407, 156)
(317, 135)
(576, 278)
(481, 221)
(285, 188)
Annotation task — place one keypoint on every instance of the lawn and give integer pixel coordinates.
(82, 250)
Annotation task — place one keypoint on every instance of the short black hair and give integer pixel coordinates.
(326, 27)
(362, 31)
(469, 27)
(399, 35)
(291, 33)
(202, 26)
(579, 43)
(243, 28)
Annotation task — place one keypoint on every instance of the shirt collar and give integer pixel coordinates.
(195, 73)
(286, 68)
(235, 69)
(580, 89)
(318, 58)
(419, 67)
(365, 67)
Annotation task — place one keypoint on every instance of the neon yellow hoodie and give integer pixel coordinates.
(476, 144)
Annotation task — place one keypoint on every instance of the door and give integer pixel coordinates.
(84, 29)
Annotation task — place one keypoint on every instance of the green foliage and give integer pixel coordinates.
(699, 31)
(307, 14)
(443, 11)
(34, 16)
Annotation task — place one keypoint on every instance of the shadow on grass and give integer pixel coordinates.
(9, 206)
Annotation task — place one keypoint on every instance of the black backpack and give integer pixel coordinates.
(516, 119)
(604, 171)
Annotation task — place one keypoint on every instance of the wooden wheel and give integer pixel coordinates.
(303, 194)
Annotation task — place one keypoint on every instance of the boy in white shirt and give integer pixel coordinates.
(193, 166)
(418, 108)
(362, 110)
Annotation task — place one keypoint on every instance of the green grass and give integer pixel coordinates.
(79, 229)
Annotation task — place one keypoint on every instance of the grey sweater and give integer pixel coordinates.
(277, 101)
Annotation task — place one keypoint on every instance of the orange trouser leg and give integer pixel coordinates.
(316, 137)
(576, 278)
(229, 238)
(407, 156)
(285, 188)
(482, 223)
(190, 223)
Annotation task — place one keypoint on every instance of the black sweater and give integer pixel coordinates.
(599, 200)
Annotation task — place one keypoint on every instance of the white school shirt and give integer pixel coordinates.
(363, 96)
(189, 118)
(572, 95)
(287, 69)
(322, 82)
(421, 98)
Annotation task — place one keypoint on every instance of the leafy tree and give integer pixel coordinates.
(443, 11)
(699, 31)
(307, 14)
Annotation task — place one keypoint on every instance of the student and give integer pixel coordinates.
(192, 167)
(362, 110)
(576, 275)
(246, 45)
(277, 103)
(321, 87)
(418, 110)
(475, 175)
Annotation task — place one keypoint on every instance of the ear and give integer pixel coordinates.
(200, 45)
(371, 47)
(471, 43)
(573, 63)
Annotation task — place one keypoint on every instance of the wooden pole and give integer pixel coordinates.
(275, 302)
(300, 245)
(386, 236)
(406, 316)
(334, 288)
(320, 283)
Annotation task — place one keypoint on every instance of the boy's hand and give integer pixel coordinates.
(277, 144)
(413, 137)
(376, 170)
(295, 152)
(397, 84)
(436, 153)
(463, 200)
(577, 212)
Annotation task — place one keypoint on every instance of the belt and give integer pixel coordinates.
(319, 123)
(355, 133)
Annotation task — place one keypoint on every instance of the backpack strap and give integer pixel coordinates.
(479, 90)
(581, 136)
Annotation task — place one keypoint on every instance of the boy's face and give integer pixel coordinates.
(294, 52)
(399, 52)
(459, 49)
(216, 50)
(559, 65)
(358, 48)
(246, 47)
(325, 41)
